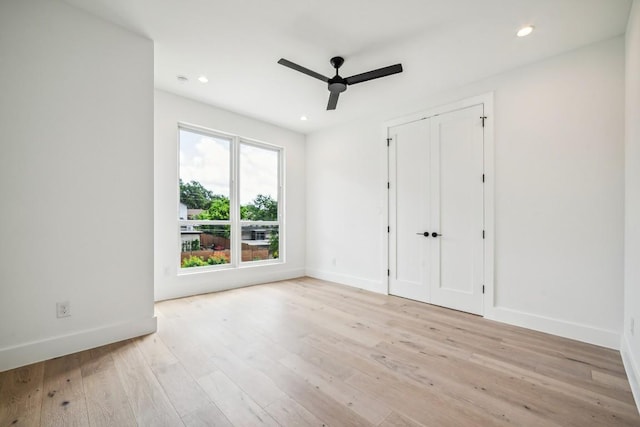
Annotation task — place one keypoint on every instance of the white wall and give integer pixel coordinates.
(345, 205)
(169, 111)
(631, 341)
(559, 195)
(76, 113)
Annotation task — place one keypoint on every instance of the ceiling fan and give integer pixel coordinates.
(339, 84)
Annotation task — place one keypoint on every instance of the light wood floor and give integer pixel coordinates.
(307, 352)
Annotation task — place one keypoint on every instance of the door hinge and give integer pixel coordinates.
(483, 234)
(388, 272)
(483, 289)
(482, 177)
(389, 141)
(388, 185)
(483, 119)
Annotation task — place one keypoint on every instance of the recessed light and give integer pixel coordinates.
(525, 31)
(303, 118)
(182, 79)
(203, 79)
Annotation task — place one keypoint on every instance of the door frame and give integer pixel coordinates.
(489, 188)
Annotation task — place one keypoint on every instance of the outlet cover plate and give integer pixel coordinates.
(63, 309)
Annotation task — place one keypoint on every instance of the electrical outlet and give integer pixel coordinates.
(63, 309)
(632, 325)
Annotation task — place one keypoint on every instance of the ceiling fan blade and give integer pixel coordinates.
(302, 69)
(333, 100)
(375, 74)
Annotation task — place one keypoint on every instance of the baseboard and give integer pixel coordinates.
(343, 279)
(37, 351)
(631, 367)
(576, 331)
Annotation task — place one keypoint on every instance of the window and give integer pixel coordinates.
(230, 200)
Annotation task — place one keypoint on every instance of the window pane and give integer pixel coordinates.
(205, 245)
(258, 183)
(204, 176)
(260, 242)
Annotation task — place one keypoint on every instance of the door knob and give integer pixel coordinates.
(425, 234)
(434, 234)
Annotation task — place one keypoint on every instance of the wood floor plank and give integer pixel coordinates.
(182, 390)
(312, 398)
(21, 396)
(306, 352)
(430, 408)
(64, 403)
(615, 381)
(323, 360)
(287, 412)
(255, 383)
(155, 351)
(147, 398)
(577, 402)
(396, 420)
(107, 402)
(214, 340)
(234, 403)
(206, 416)
(367, 406)
(185, 348)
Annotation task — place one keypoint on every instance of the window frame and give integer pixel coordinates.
(234, 221)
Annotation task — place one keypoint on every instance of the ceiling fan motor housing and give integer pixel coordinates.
(337, 84)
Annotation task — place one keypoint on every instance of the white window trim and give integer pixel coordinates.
(235, 222)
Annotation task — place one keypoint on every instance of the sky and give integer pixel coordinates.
(206, 159)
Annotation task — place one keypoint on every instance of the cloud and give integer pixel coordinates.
(258, 173)
(206, 160)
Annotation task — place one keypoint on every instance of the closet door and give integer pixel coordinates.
(436, 210)
(456, 210)
(409, 180)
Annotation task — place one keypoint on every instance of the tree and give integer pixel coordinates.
(218, 208)
(263, 208)
(195, 196)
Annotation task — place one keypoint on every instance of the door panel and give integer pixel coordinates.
(409, 215)
(457, 209)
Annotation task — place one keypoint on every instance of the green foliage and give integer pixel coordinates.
(194, 261)
(198, 261)
(217, 259)
(195, 245)
(263, 208)
(218, 208)
(195, 196)
(274, 244)
(244, 211)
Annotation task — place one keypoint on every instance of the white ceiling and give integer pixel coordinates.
(440, 43)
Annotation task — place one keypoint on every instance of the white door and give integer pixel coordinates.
(409, 157)
(436, 187)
